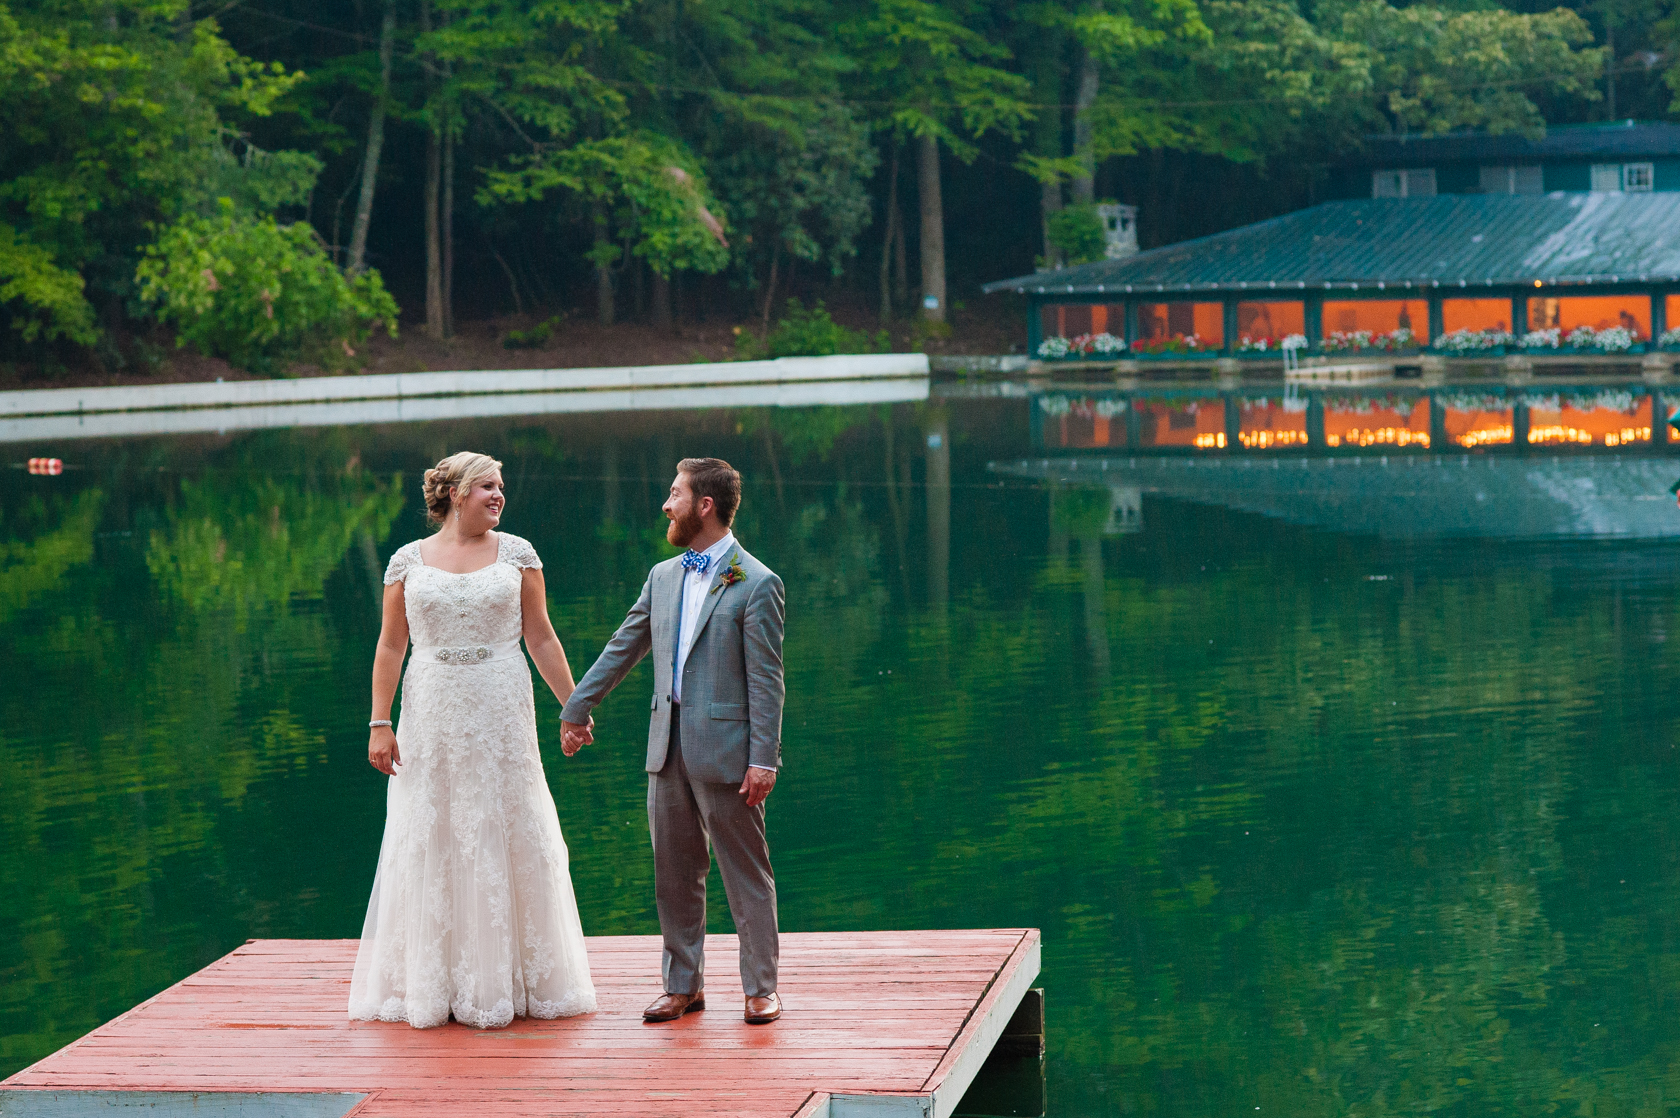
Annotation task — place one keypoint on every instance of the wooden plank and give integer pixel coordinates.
(884, 1018)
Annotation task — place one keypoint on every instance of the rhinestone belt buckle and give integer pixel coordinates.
(464, 655)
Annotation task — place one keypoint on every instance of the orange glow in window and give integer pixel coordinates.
(1475, 314)
(1186, 423)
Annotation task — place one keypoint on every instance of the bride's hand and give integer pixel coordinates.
(382, 750)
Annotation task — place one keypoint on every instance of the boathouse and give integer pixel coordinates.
(1564, 275)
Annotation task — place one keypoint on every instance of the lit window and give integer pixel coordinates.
(1637, 176)
(1606, 178)
(1415, 183)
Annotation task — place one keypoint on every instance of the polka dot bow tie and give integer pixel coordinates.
(696, 561)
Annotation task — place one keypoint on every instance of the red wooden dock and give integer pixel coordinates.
(876, 1023)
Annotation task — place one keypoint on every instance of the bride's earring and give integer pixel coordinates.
(457, 514)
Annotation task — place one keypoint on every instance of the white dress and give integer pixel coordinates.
(472, 912)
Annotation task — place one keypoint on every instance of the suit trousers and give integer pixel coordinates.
(689, 820)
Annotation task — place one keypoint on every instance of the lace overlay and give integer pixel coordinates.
(472, 913)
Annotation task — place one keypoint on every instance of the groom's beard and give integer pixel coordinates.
(683, 529)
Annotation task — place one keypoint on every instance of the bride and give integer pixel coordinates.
(472, 913)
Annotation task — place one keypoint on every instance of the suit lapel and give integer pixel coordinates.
(668, 602)
(714, 592)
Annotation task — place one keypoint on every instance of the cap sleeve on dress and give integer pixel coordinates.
(516, 552)
(405, 560)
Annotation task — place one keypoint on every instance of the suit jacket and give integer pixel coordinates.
(732, 689)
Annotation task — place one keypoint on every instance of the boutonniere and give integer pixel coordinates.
(731, 574)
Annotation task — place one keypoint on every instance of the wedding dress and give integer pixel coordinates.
(472, 912)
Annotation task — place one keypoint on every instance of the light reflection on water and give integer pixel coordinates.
(1315, 822)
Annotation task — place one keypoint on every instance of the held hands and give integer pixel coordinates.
(574, 737)
(382, 750)
(756, 788)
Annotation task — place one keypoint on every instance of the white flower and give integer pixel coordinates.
(1053, 347)
(1542, 339)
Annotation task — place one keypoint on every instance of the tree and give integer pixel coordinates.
(112, 118)
(938, 82)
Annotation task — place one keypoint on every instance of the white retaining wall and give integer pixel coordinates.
(400, 386)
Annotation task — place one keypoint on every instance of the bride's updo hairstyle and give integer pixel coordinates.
(461, 470)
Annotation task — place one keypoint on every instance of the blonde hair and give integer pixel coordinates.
(461, 470)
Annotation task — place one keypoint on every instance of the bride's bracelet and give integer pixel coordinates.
(379, 722)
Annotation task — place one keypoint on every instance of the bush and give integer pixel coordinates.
(807, 333)
(534, 338)
(260, 294)
(1078, 232)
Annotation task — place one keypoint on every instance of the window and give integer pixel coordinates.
(1475, 314)
(1611, 177)
(1377, 317)
(1161, 323)
(1070, 320)
(1415, 183)
(1511, 180)
(1597, 311)
(1269, 323)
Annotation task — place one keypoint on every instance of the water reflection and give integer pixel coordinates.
(1402, 496)
(1318, 823)
(1289, 418)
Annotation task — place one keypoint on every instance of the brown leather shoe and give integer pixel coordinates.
(762, 1011)
(669, 1007)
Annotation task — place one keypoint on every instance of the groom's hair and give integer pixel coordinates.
(717, 479)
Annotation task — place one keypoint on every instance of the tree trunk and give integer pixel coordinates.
(434, 238)
(887, 241)
(375, 141)
(1084, 183)
(1047, 136)
(604, 309)
(901, 259)
(1610, 67)
(661, 302)
(513, 284)
(933, 231)
(770, 284)
(448, 215)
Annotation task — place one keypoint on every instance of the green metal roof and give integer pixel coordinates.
(1452, 240)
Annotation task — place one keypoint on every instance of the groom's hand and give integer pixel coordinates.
(574, 736)
(756, 788)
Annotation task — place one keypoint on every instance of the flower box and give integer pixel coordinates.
(1582, 351)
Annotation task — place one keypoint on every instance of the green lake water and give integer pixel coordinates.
(1314, 822)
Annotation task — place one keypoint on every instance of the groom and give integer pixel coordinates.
(712, 617)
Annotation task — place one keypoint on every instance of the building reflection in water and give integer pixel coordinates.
(1383, 419)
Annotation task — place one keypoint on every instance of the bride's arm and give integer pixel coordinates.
(540, 639)
(387, 669)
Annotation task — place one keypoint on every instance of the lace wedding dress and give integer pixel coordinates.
(472, 911)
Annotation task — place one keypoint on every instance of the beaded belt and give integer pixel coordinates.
(465, 655)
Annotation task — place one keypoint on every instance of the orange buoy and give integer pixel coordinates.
(49, 467)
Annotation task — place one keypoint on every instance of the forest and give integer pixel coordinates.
(271, 182)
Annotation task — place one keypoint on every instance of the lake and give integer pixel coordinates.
(1350, 794)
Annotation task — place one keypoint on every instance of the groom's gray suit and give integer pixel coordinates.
(730, 717)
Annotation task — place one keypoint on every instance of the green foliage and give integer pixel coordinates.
(111, 118)
(51, 297)
(807, 333)
(659, 198)
(534, 338)
(259, 293)
(1078, 232)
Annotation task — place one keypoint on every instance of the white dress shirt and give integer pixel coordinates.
(694, 587)
(694, 590)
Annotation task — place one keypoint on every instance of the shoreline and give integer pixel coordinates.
(45, 402)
